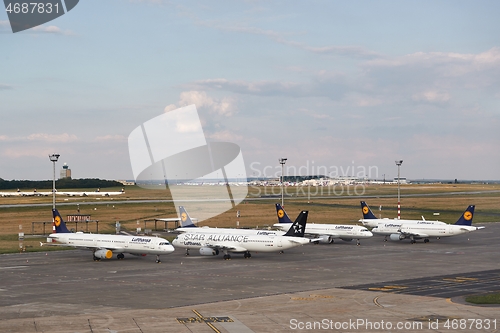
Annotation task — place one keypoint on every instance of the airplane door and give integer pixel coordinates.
(450, 230)
(279, 242)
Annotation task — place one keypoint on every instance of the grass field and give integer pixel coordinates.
(484, 299)
(325, 205)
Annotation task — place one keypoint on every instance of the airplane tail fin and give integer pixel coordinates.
(282, 216)
(367, 212)
(466, 218)
(298, 227)
(186, 221)
(58, 225)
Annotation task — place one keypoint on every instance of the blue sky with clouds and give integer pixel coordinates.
(331, 84)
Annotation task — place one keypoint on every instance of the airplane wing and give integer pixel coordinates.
(231, 248)
(416, 234)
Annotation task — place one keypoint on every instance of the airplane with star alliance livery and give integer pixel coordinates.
(212, 243)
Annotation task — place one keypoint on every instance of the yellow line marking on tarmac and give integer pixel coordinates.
(388, 288)
(208, 324)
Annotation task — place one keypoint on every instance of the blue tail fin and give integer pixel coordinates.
(298, 227)
(466, 218)
(186, 221)
(282, 216)
(367, 212)
(58, 225)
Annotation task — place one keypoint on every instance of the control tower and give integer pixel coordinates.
(65, 172)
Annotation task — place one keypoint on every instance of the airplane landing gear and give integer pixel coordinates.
(187, 252)
(120, 256)
(158, 261)
(357, 242)
(227, 257)
(426, 240)
(247, 255)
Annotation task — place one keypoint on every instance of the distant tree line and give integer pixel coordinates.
(60, 183)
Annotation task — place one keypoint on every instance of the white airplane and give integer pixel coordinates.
(425, 231)
(36, 193)
(211, 243)
(86, 193)
(20, 193)
(370, 220)
(103, 246)
(187, 225)
(326, 232)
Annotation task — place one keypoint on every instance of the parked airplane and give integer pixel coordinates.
(36, 193)
(370, 220)
(326, 232)
(187, 225)
(103, 245)
(213, 242)
(86, 193)
(425, 231)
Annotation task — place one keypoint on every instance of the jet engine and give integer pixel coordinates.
(103, 254)
(397, 237)
(206, 251)
(325, 239)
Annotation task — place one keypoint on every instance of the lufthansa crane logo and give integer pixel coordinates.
(57, 221)
(184, 217)
(281, 213)
(467, 215)
(365, 210)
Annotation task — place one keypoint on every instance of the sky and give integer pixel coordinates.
(337, 87)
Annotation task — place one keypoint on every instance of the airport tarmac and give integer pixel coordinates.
(340, 287)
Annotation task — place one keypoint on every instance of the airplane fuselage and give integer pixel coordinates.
(207, 230)
(138, 245)
(333, 230)
(237, 242)
(389, 227)
(372, 223)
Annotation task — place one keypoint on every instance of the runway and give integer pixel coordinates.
(65, 291)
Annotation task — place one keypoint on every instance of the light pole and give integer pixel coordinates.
(398, 163)
(282, 162)
(54, 158)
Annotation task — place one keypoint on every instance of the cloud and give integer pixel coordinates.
(60, 138)
(51, 29)
(226, 136)
(341, 50)
(224, 106)
(111, 138)
(41, 137)
(432, 97)
(5, 86)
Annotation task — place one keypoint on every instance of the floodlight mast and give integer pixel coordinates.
(53, 158)
(282, 162)
(398, 163)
